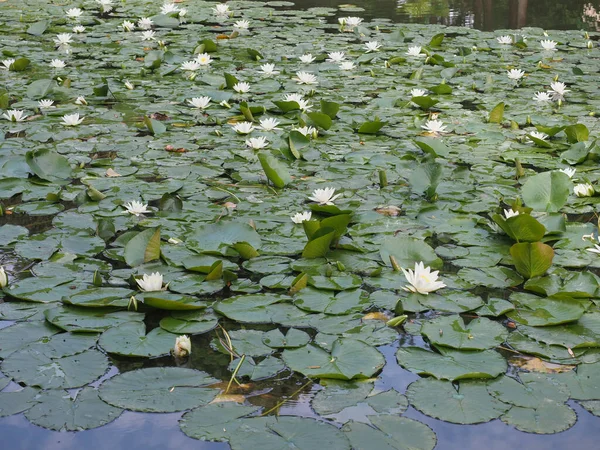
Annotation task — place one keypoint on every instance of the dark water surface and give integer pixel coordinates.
(485, 15)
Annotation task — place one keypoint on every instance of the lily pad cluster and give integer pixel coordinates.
(261, 179)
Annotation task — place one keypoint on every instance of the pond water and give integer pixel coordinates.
(481, 14)
(431, 150)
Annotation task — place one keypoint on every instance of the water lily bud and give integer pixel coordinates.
(3, 277)
(586, 35)
(183, 347)
(583, 190)
(528, 121)
(590, 44)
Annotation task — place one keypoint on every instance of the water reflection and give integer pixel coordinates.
(481, 14)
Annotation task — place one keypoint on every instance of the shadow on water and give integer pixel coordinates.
(485, 15)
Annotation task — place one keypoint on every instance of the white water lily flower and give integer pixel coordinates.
(129, 85)
(583, 190)
(307, 58)
(508, 213)
(336, 57)
(136, 208)
(191, 66)
(203, 59)
(71, 120)
(241, 88)
(150, 283)
(200, 102)
(105, 5)
(548, 44)
(241, 25)
(324, 196)
(504, 40)
(308, 131)
(7, 63)
(347, 65)
(127, 25)
(269, 124)
(515, 74)
(63, 39)
(293, 97)
(539, 135)
(569, 171)
(301, 217)
(372, 46)
(81, 100)
(78, 29)
(221, 9)
(73, 13)
(168, 8)
(434, 126)
(3, 277)
(414, 50)
(418, 92)
(57, 64)
(422, 280)
(542, 97)
(268, 69)
(148, 35)
(559, 89)
(243, 127)
(349, 23)
(183, 347)
(45, 104)
(305, 78)
(15, 115)
(257, 143)
(145, 23)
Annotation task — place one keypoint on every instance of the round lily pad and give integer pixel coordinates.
(216, 421)
(189, 322)
(159, 389)
(452, 331)
(20, 334)
(390, 433)
(171, 301)
(130, 339)
(99, 297)
(18, 401)
(57, 410)
(345, 302)
(551, 418)
(348, 359)
(71, 318)
(34, 368)
(452, 364)
(293, 338)
(536, 391)
(469, 403)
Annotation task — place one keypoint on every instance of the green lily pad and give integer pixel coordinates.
(536, 311)
(348, 359)
(130, 339)
(57, 410)
(189, 322)
(34, 368)
(86, 320)
(345, 302)
(390, 433)
(468, 404)
(293, 338)
(549, 419)
(451, 331)
(452, 364)
(172, 302)
(99, 297)
(20, 334)
(18, 401)
(159, 389)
